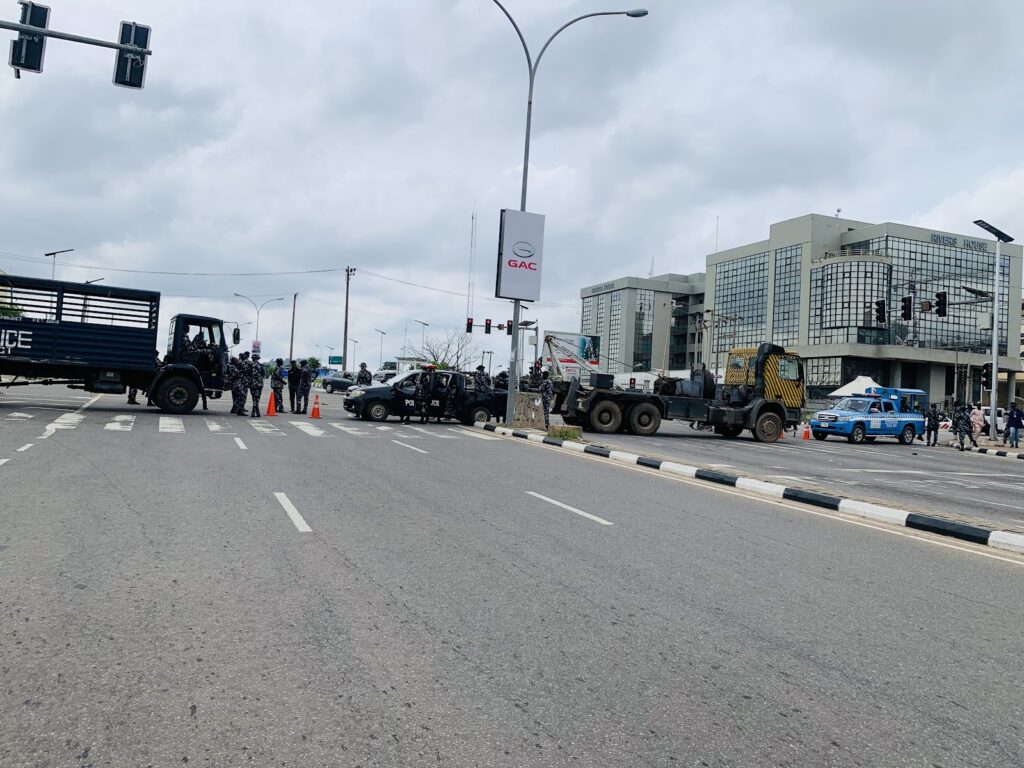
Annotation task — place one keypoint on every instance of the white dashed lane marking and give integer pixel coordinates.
(25, 447)
(579, 512)
(293, 513)
(410, 447)
(240, 444)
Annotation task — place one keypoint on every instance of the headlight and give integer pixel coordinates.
(356, 393)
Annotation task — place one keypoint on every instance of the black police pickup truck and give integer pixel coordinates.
(451, 397)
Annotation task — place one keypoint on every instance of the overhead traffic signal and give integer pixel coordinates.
(940, 304)
(130, 67)
(986, 376)
(487, 325)
(469, 325)
(27, 51)
(880, 316)
(907, 307)
(508, 328)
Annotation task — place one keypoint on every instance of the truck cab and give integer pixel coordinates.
(879, 412)
(196, 362)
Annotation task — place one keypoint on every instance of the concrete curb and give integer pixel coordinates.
(996, 452)
(1013, 542)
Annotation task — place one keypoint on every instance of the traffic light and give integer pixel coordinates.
(940, 304)
(907, 307)
(986, 376)
(880, 316)
(487, 325)
(130, 68)
(508, 328)
(469, 325)
(27, 51)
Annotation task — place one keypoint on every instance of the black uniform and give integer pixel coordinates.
(481, 381)
(240, 385)
(364, 376)
(277, 384)
(293, 384)
(305, 384)
(423, 396)
(547, 392)
(932, 417)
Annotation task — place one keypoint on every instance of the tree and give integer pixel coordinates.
(10, 310)
(314, 362)
(454, 349)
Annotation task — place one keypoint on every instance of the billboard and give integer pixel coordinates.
(520, 253)
(572, 347)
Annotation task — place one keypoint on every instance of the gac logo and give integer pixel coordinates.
(524, 251)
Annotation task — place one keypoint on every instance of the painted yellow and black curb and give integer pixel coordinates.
(1013, 542)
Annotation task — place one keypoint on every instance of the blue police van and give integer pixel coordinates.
(879, 412)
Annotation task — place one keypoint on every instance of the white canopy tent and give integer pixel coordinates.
(856, 387)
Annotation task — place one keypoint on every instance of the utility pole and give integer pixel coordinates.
(349, 271)
(291, 344)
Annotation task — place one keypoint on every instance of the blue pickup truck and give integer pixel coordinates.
(879, 412)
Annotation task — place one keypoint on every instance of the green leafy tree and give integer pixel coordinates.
(10, 310)
(314, 362)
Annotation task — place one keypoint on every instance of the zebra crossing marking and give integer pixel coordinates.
(19, 416)
(434, 434)
(172, 424)
(264, 428)
(309, 429)
(349, 430)
(67, 421)
(120, 424)
(472, 433)
(215, 426)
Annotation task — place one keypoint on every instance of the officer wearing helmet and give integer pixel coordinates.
(240, 384)
(256, 376)
(277, 384)
(364, 376)
(481, 381)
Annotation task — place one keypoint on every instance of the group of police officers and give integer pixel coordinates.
(245, 377)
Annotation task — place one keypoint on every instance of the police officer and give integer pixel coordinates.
(481, 381)
(364, 376)
(231, 379)
(423, 395)
(962, 427)
(240, 387)
(256, 375)
(277, 384)
(293, 384)
(932, 417)
(132, 394)
(547, 392)
(305, 384)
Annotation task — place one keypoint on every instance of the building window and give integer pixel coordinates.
(587, 317)
(643, 330)
(786, 306)
(614, 351)
(741, 301)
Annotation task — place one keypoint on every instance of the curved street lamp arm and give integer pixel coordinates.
(526, 48)
(249, 300)
(569, 24)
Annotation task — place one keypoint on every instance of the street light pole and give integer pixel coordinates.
(423, 334)
(380, 363)
(1001, 237)
(532, 65)
(53, 255)
(258, 309)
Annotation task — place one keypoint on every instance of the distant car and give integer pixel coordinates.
(384, 375)
(339, 381)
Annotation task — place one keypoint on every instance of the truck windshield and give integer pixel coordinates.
(853, 404)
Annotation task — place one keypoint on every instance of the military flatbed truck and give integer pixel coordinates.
(103, 339)
(763, 392)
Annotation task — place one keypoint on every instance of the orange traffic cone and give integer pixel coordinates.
(316, 408)
(271, 407)
(807, 431)
(782, 432)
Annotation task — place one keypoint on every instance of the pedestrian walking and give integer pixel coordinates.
(132, 394)
(277, 385)
(977, 423)
(1014, 424)
(481, 381)
(293, 385)
(305, 384)
(932, 418)
(256, 376)
(240, 385)
(547, 391)
(364, 376)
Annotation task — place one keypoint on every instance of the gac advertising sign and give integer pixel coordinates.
(520, 251)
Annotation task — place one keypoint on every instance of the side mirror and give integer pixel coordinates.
(236, 335)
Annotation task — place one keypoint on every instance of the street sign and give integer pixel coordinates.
(130, 68)
(520, 253)
(27, 51)
(335, 360)
(255, 347)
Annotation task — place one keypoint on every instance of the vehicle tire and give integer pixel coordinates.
(606, 417)
(856, 436)
(178, 395)
(376, 411)
(907, 435)
(767, 428)
(729, 432)
(820, 435)
(479, 413)
(644, 419)
(329, 388)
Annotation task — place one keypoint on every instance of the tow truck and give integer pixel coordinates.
(103, 339)
(763, 391)
(879, 412)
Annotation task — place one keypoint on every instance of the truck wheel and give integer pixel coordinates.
(856, 435)
(606, 417)
(377, 411)
(178, 395)
(479, 413)
(644, 419)
(728, 431)
(907, 435)
(767, 428)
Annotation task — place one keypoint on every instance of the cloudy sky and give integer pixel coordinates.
(320, 134)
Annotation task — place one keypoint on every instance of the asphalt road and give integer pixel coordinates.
(449, 604)
(930, 480)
